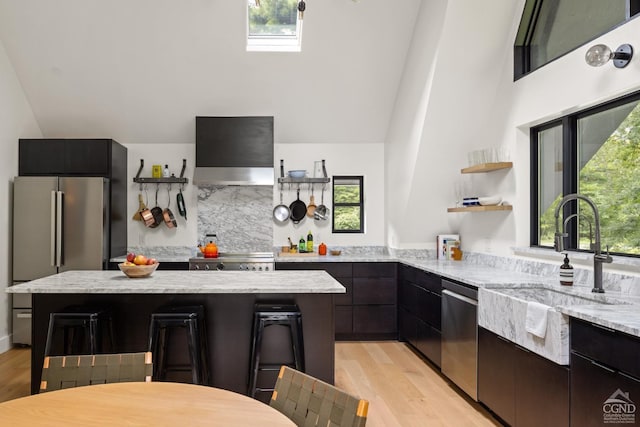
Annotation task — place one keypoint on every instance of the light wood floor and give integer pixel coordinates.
(402, 389)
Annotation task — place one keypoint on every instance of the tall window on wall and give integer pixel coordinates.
(348, 204)
(551, 28)
(595, 153)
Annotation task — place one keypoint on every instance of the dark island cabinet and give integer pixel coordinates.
(519, 386)
(368, 309)
(84, 158)
(419, 311)
(605, 376)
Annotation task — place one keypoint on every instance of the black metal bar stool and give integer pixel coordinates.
(83, 330)
(192, 319)
(265, 315)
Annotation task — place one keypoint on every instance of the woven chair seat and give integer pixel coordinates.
(308, 401)
(60, 372)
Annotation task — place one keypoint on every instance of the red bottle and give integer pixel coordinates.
(322, 249)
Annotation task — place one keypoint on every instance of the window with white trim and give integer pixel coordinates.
(274, 25)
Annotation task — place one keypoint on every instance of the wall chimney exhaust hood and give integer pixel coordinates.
(234, 151)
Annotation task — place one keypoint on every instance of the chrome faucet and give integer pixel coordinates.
(598, 258)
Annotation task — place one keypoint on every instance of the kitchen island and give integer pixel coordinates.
(228, 298)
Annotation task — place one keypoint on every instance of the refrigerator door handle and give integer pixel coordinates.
(53, 251)
(59, 228)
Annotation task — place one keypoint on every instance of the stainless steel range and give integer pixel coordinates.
(252, 261)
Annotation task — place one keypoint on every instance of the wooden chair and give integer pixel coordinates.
(307, 401)
(74, 371)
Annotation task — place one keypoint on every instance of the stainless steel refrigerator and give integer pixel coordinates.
(59, 224)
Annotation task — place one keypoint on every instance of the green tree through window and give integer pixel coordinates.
(607, 159)
(348, 204)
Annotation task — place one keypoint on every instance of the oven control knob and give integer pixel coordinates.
(266, 268)
(220, 266)
(206, 266)
(260, 268)
(244, 267)
(196, 267)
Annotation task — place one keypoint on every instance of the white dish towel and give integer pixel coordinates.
(536, 321)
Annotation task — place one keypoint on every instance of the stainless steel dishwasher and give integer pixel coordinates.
(460, 336)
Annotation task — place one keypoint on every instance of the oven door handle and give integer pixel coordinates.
(459, 297)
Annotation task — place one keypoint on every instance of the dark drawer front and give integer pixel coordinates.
(612, 348)
(429, 342)
(346, 298)
(429, 281)
(374, 291)
(408, 326)
(344, 319)
(408, 297)
(379, 319)
(430, 307)
(377, 269)
(407, 273)
(591, 386)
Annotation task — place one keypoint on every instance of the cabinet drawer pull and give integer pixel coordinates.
(606, 368)
(634, 379)
(602, 327)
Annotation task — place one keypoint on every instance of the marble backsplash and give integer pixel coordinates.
(241, 216)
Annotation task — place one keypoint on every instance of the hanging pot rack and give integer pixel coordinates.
(164, 180)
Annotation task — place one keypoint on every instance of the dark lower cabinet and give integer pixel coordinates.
(419, 311)
(344, 320)
(541, 390)
(428, 342)
(368, 309)
(605, 388)
(496, 374)
(601, 396)
(519, 386)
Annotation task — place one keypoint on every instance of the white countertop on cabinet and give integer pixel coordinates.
(184, 282)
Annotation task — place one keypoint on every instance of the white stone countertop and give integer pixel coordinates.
(612, 314)
(622, 317)
(184, 282)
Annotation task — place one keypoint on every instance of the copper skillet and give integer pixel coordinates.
(169, 218)
(146, 214)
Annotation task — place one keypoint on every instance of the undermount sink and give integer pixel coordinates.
(504, 310)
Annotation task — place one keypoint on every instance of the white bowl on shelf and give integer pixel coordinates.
(297, 173)
(490, 200)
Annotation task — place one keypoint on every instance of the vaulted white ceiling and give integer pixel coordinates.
(141, 70)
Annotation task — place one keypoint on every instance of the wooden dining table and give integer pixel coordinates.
(140, 404)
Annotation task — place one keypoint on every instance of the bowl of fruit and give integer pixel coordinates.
(138, 265)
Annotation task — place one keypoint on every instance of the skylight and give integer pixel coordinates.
(274, 26)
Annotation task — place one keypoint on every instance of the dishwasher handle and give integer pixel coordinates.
(459, 297)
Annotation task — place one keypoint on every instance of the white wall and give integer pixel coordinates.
(366, 159)
(450, 81)
(340, 159)
(171, 154)
(16, 121)
(461, 96)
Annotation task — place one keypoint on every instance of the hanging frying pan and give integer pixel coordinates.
(145, 213)
(298, 209)
(156, 211)
(281, 212)
(169, 218)
(182, 209)
(321, 212)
